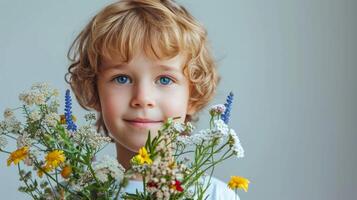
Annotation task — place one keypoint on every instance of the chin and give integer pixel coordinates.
(134, 146)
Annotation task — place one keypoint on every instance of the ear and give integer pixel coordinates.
(97, 108)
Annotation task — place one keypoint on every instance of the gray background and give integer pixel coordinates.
(291, 64)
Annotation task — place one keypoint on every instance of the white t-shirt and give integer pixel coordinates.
(217, 190)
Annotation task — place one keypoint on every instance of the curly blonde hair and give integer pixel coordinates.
(160, 28)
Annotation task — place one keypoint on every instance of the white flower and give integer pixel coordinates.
(183, 139)
(3, 142)
(23, 140)
(189, 127)
(11, 125)
(43, 88)
(26, 98)
(102, 175)
(159, 195)
(175, 127)
(2, 127)
(38, 133)
(79, 184)
(55, 92)
(140, 168)
(8, 113)
(34, 116)
(235, 144)
(203, 137)
(108, 166)
(91, 137)
(40, 85)
(217, 109)
(90, 116)
(33, 97)
(54, 105)
(38, 94)
(76, 187)
(189, 193)
(51, 119)
(28, 161)
(206, 135)
(178, 127)
(220, 128)
(32, 156)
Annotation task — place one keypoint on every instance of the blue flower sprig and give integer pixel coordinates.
(68, 112)
(226, 115)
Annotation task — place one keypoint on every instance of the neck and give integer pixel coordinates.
(124, 156)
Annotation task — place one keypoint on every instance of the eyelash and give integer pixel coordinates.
(128, 78)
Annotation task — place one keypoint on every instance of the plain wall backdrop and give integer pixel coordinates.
(290, 63)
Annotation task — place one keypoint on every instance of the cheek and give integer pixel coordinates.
(112, 104)
(175, 104)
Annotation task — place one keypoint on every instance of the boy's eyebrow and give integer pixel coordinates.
(163, 67)
(168, 68)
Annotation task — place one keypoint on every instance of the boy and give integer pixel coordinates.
(137, 63)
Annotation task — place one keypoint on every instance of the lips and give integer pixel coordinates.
(142, 122)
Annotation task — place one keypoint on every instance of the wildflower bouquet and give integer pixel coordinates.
(61, 153)
(173, 163)
(163, 161)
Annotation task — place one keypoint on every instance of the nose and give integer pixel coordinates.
(143, 96)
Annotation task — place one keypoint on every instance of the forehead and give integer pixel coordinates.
(175, 63)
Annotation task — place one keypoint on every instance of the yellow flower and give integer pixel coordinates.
(55, 158)
(18, 155)
(43, 169)
(172, 164)
(63, 119)
(66, 171)
(143, 157)
(238, 182)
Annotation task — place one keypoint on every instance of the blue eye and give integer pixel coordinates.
(164, 80)
(122, 79)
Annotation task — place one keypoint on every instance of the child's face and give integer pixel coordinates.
(138, 96)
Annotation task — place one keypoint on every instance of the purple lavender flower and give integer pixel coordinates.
(68, 112)
(225, 116)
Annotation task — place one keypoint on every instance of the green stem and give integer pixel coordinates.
(218, 161)
(144, 186)
(18, 167)
(49, 176)
(203, 162)
(117, 194)
(49, 182)
(182, 153)
(12, 137)
(5, 151)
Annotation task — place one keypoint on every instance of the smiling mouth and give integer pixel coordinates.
(142, 123)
